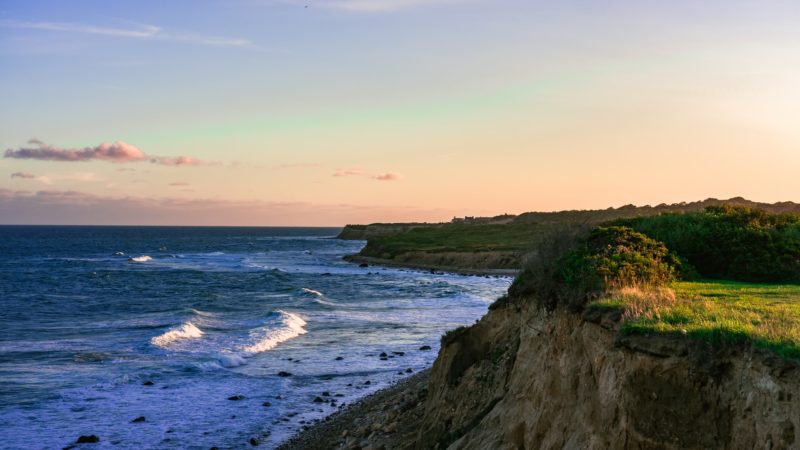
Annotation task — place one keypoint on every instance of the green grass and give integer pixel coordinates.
(456, 238)
(766, 315)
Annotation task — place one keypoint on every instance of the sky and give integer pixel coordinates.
(327, 112)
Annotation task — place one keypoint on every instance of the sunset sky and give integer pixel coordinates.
(326, 112)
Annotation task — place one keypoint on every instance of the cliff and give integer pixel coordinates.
(524, 378)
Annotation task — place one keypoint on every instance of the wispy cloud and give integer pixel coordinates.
(118, 152)
(351, 172)
(387, 177)
(150, 32)
(24, 175)
(179, 161)
(179, 184)
(359, 172)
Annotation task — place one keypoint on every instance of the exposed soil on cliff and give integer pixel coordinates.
(526, 379)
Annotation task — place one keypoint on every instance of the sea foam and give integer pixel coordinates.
(185, 331)
(144, 258)
(230, 361)
(267, 338)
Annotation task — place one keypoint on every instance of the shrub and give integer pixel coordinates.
(730, 242)
(578, 268)
(540, 277)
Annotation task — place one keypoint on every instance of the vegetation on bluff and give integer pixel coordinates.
(722, 312)
(728, 242)
(456, 237)
(506, 240)
(633, 266)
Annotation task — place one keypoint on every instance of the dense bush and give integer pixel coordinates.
(730, 242)
(578, 266)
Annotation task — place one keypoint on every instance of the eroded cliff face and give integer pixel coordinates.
(526, 379)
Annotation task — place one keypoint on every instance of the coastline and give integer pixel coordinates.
(358, 259)
(388, 418)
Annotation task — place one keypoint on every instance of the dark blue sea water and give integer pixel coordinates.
(204, 314)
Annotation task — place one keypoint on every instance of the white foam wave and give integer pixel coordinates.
(229, 361)
(312, 292)
(185, 331)
(291, 326)
(143, 258)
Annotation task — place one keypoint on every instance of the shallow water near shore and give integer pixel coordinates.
(186, 318)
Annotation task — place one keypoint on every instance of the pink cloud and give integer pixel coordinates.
(359, 172)
(387, 177)
(351, 172)
(118, 152)
(178, 161)
(25, 175)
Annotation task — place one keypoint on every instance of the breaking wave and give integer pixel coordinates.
(267, 338)
(185, 331)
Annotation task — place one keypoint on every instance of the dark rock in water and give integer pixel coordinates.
(349, 384)
(326, 394)
(384, 359)
(338, 395)
(214, 448)
(367, 382)
(284, 374)
(278, 397)
(409, 370)
(425, 347)
(236, 397)
(318, 400)
(363, 265)
(254, 442)
(383, 355)
(148, 383)
(339, 358)
(138, 419)
(90, 439)
(400, 353)
(267, 404)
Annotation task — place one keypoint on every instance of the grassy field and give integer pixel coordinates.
(767, 315)
(456, 238)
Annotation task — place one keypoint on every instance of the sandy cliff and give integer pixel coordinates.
(522, 378)
(525, 379)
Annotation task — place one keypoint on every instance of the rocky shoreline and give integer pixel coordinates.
(389, 418)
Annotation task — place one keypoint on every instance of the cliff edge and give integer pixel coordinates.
(525, 378)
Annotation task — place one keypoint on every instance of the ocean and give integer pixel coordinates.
(213, 335)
